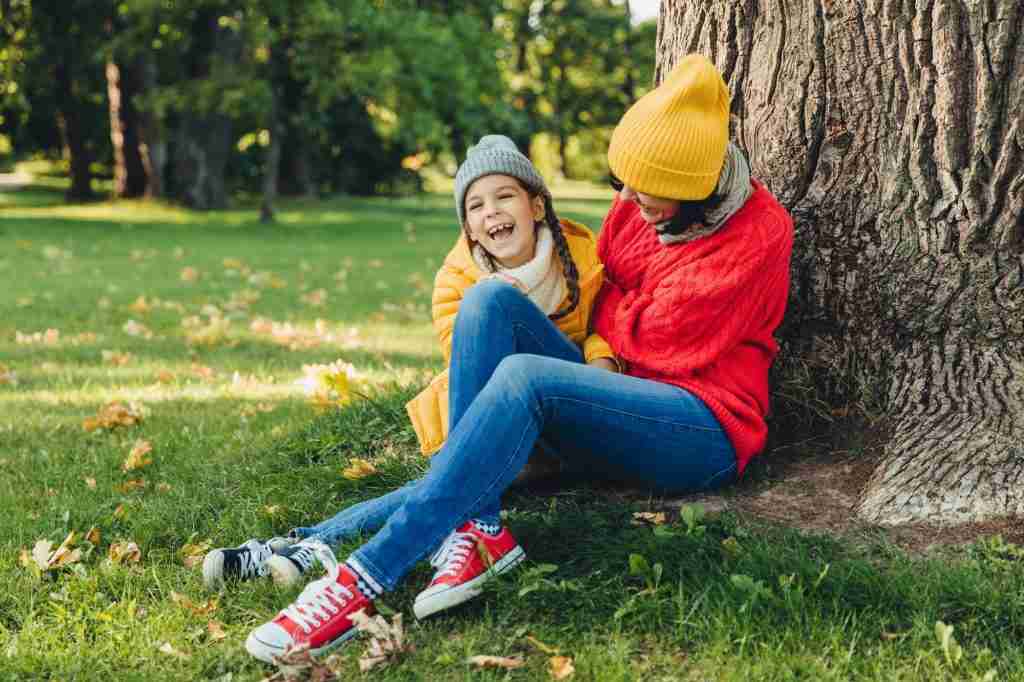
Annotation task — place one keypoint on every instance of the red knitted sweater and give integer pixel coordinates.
(701, 315)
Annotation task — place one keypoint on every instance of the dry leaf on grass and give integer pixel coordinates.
(168, 648)
(189, 274)
(204, 609)
(7, 376)
(215, 631)
(298, 665)
(203, 372)
(358, 468)
(120, 512)
(328, 385)
(545, 648)
(165, 376)
(560, 667)
(194, 552)
(496, 662)
(387, 642)
(140, 306)
(125, 552)
(137, 329)
(93, 535)
(43, 559)
(116, 358)
(137, 457)
(649, 518)
(90, 482)
(132, 485)
(115, 414)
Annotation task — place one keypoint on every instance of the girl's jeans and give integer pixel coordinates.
(515, 377)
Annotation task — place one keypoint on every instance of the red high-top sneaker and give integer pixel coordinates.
(319, 617)
(466, 560)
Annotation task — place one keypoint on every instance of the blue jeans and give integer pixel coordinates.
(514, 378)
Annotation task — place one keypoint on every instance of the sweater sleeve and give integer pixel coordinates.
(697, 311)
(449, 285)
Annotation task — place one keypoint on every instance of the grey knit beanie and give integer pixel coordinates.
(495, 155)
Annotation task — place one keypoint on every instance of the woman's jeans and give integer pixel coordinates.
(514, 378)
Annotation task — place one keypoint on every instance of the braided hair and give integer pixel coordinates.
(569, 269)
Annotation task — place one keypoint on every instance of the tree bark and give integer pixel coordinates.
(76, 149)
(152, 141)
(893, 132)
(129, 170)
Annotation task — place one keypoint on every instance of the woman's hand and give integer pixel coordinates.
(507, 279)
(605, 363)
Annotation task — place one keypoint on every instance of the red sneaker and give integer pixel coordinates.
(318, 618)
(465, 561)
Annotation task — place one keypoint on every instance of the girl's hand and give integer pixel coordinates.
(605, 363)
(507, 279)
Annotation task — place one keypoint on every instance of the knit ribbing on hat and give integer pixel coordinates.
(494, 155)
(671, 143)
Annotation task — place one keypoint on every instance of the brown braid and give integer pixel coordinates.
(572, 274)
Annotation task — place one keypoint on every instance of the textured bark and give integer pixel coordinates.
(72, 131)
(893, 132)
(129, 169)
(152, 141)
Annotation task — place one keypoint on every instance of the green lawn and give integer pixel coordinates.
(204, 322)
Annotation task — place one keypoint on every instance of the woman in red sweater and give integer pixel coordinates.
(696, 258)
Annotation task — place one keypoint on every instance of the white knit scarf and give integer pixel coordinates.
(542, 276)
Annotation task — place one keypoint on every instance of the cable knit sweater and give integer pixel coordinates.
(701, 315)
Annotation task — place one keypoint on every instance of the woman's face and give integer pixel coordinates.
(500, 216)
(653, 209)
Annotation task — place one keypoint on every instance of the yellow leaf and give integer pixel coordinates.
(550, 650)
(93, 535)
(560, 667)
(140, 306)
(189, 274)
(132, 485)
(7, 376)
(496, 662)
(165, 376)
(202, 371)
(114, 414)
(90, 482)
(194, 552)
(649, 518)
(358, 468)
(163, 487)
(126, 552)
(215, 631)
(120, 512)
(137, 458)
(203, 609)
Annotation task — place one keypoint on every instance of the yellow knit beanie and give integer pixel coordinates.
(671, 142)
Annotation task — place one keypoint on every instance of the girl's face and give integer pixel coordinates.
(500, 216)
(653, 209)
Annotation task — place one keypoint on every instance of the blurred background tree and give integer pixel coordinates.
(200, 100)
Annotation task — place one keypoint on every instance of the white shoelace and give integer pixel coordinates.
(322, 598)
(453, 553)
(254, 562)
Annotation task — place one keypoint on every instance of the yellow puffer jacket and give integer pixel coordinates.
(429, 410)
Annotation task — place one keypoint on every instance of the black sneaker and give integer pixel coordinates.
(288, 564)
(245, 562)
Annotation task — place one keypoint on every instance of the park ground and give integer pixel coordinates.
(202, 327)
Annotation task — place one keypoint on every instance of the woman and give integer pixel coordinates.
(696, 259)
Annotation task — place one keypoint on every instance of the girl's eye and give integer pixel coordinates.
(473, 207)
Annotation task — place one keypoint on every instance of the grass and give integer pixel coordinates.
(238, 452)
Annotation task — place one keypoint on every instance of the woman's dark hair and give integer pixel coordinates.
(692, 213)
(569, 269)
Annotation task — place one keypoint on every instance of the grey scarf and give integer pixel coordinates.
(733, 184)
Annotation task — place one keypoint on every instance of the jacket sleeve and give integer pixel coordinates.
(594, 346)
(449, 285)
(697, 311)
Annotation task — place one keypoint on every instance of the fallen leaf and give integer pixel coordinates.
(315, 298)
(202, 371)
(165, 376)
(90, 482)
(189, 274)
(45, 560)
(126, 552)
(116, 358)
(272, 509)
(649, 518)
(215, 631)
(358, 468)
(137, 458)
(298, 665)
(132, 485)
(328, 385)
(495, 662)
(194, 552)
(120, 512)
(163, 486)
(113, 415)
(560, 667)
(204, 609)
(93, 535)
(140, 306)
(375, 263)
(387, 641)
(168, 648)
(7, 376)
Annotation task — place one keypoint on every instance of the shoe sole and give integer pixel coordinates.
(265, 651)
(213, 570)
(459, 594)
(283, 571)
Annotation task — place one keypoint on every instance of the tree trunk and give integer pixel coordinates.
(129, 169)
(76, 150)
(893, 132)
(272, 161)
(152, 142)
